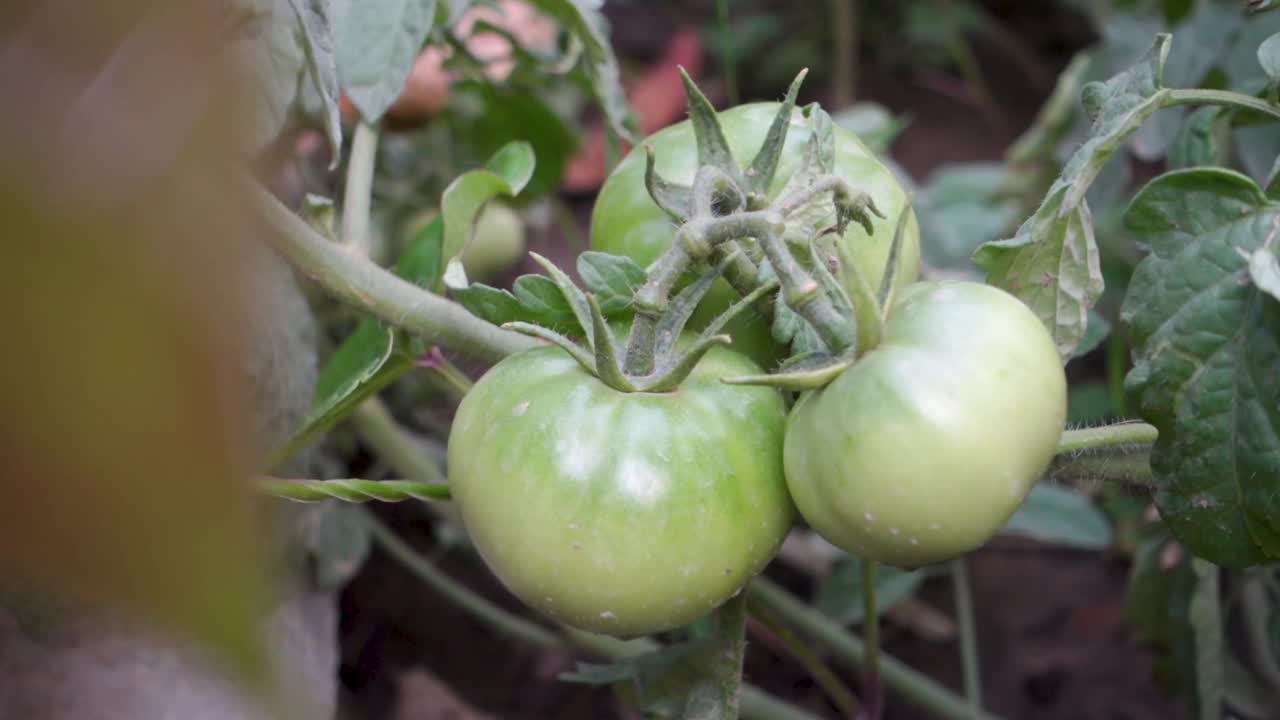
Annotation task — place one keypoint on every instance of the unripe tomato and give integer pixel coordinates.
(620, 513)
(924, 448)
(626, 221)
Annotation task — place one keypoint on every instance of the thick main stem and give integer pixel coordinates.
(1129, 433)
(361, 283)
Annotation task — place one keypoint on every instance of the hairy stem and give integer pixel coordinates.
(359, 189)
(1193, 96)
(1125, 433)
(965, 619)
(732, 621)
(915, 687)
(361, 283)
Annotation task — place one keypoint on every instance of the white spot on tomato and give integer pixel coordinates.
(520, 409)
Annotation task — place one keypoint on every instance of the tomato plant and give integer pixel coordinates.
(626, 220)
(924, 448)
(620, 513)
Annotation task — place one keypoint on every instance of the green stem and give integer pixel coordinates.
(360, 283)
(1193, 96)
(965, 620)
(726, 52)
(497, 618)
(1127, 433)
(359, 189)
(840, 694)
(803, 295)
(872, 688)
(448, 376)
(917, 688)
(731, 619)
(754, 703)
(1257, 611)
(1131, 468)
(357, 491)
(392, 444)
(844, 18)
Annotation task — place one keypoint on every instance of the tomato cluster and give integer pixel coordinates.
(633, 512)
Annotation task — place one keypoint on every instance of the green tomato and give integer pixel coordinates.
(620, 513)
(626, 221)
(924, 448)
(496, 245)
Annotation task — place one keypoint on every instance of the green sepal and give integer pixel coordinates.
(765, 163)
(575, 297)
(607, 368)
(713, 148)
(884, 297)
(673, 198)
(670, 378)
(681, 309)
(577, 353)
(818, 371)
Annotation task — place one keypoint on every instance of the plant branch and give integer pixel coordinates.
(359, 189)
(917, 688)
(840, 694)
(1193, 96)
(392, 444)
(755, 704)
(731, 619)
(968, 635)
(361, 283)
(357, 491)
(872, 690)
(1125, 433)
(508, 624)
(844, 20)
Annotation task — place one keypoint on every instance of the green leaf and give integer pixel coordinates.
(1052, 262)
(542, 297)
(376, 43)
(483, 116)
(319, 90)
(584, 20)
(1273, 181)
(1199, 141)
(1099, 328)
(493, 304)
(506, 173)
(271, 48)
(1269, 58)
(1207, 345)
(613, 279)
(1060, 516)
(961, 207)
(1204, 641)
(1264, 270)
(337, 537)
(839, 595)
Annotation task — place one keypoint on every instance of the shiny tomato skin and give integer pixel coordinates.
(924, 448)
(626, 221)
(620, 513)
